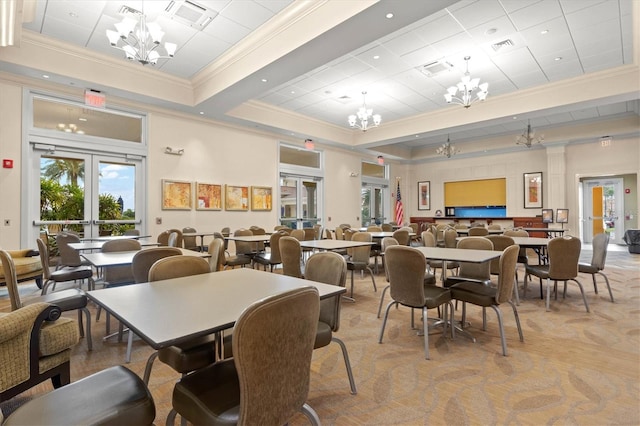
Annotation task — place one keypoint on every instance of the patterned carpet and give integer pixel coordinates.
(574, 367)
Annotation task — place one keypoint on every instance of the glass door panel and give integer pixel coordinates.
(604, 207)
(372, 204)
(116, 197)
(299, 204)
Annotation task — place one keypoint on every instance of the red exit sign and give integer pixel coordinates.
(94, 98)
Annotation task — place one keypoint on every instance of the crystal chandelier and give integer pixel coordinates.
(529, 138)
(138, 38)
(466, 88)
(447, 149)
(363, 115)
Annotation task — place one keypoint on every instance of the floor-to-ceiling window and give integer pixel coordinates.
(301, 178)
(374, 194)
(85, 169)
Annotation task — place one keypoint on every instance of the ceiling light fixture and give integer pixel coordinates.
(447, 149)
(529, 137)
(174, 151)
(138, 39)
(69, 128)
(466, 88)
(363, 115)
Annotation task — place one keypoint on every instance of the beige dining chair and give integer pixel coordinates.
(194, 354)
(272, 257)
(291, 255)
(599, 256)
(360, 257)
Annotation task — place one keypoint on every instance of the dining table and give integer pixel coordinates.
(327, 244)
(200, 234)
(170, 312)
(549, 232)
(121, 258)
(465, 231)
(97, 244)
(445, 254)
(115, 237)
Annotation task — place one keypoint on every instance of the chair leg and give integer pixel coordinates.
(373, 278)
(352, 272)
(347, 364)
(88, 333)
(517, 317)
(501, 326)
(147, 368)
(515, 291)
(584, 298)
(606, 280)
(548, 293)
(384, 290)
(311, 414)
(384, 320)
(171, 418)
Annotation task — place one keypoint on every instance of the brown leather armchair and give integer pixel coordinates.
(35, 345)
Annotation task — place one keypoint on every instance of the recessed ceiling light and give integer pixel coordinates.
(45, 76)
(82, 119)
(73, 14)
(490, 31)
(293, 92)
(264, 80)
(376, 57)
(544, 32)
(201, 112)
(389, 15)
(557, 58)
(417, 136)
(515, 117)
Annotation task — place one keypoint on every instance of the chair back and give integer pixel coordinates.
(226, 231)
(506, 278)
(114, 275)
(291, 255)
(44, 259)
(243, 247)
(309, 234)
(500, 242)
(428, 239)
(216, 252)
(494, 226)
(363, 253)
(339, 233)
(518, 233)
(163, 238)
(387, 227)
(172, 241)
(218, 235)
(274, 243)
(460, 226)
(178, 266)
(142, 261)
(564, 255)
(189, 241)
(179, 238)
(256, 230)
(132, 232)
(405, 267)
(274, 381)
(317, 231)
(600, 244)
(450, 235)
(348, 233)
(414, 227)
(477, 231)
(345, 226)
(402, 236)
(298, 234)
(327, 234)
(11, 279)
(388, 242)
(374, 228)
(476, 271)
(330, 268)
(68, 255)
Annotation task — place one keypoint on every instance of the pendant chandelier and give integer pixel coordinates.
(360, 120)
(466, 87)
(529, 137)
(139, 39)
(447, 149)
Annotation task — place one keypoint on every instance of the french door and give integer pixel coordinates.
(372, 198)
(299, 201)
(92, 194)
(603, 209)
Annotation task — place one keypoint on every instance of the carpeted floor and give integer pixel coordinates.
(574, 367)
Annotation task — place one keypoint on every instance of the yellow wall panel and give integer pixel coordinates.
(475, 193)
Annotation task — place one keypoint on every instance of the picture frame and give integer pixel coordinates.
(424, 195)
(176, 195)
(562, 216)
(261, 198)
(208, 196)
(547, 215)
(236, 198)
(533, 190)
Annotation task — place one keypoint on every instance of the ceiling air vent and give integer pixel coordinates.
(433, 68)
(502, 44)
(190, 13)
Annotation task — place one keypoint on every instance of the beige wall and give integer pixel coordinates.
(217, 153)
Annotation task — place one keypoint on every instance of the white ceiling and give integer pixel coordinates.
(550, 41)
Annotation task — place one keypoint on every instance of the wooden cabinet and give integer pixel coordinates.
(530, 222)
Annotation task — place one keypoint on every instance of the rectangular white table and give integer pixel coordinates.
(457, 255)
(333, 244)
(120, 258)
(97, 244)
(115, 237)
(169, 312)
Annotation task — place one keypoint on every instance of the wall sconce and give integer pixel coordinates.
(354, 174)
(174, 151)
(308, 144)
(381, 160)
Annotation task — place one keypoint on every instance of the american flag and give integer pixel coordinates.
(399, 209)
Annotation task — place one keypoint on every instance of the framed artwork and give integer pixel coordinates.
(547, 215)
(424, 195)
(236, 197)
(208, 196)
(562, 216)
(261, 198)
(176, 195)
(533, 190)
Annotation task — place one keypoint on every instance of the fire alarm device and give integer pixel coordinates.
(7, 164)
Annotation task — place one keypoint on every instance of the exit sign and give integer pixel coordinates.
(94, 98)
(605, 142)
